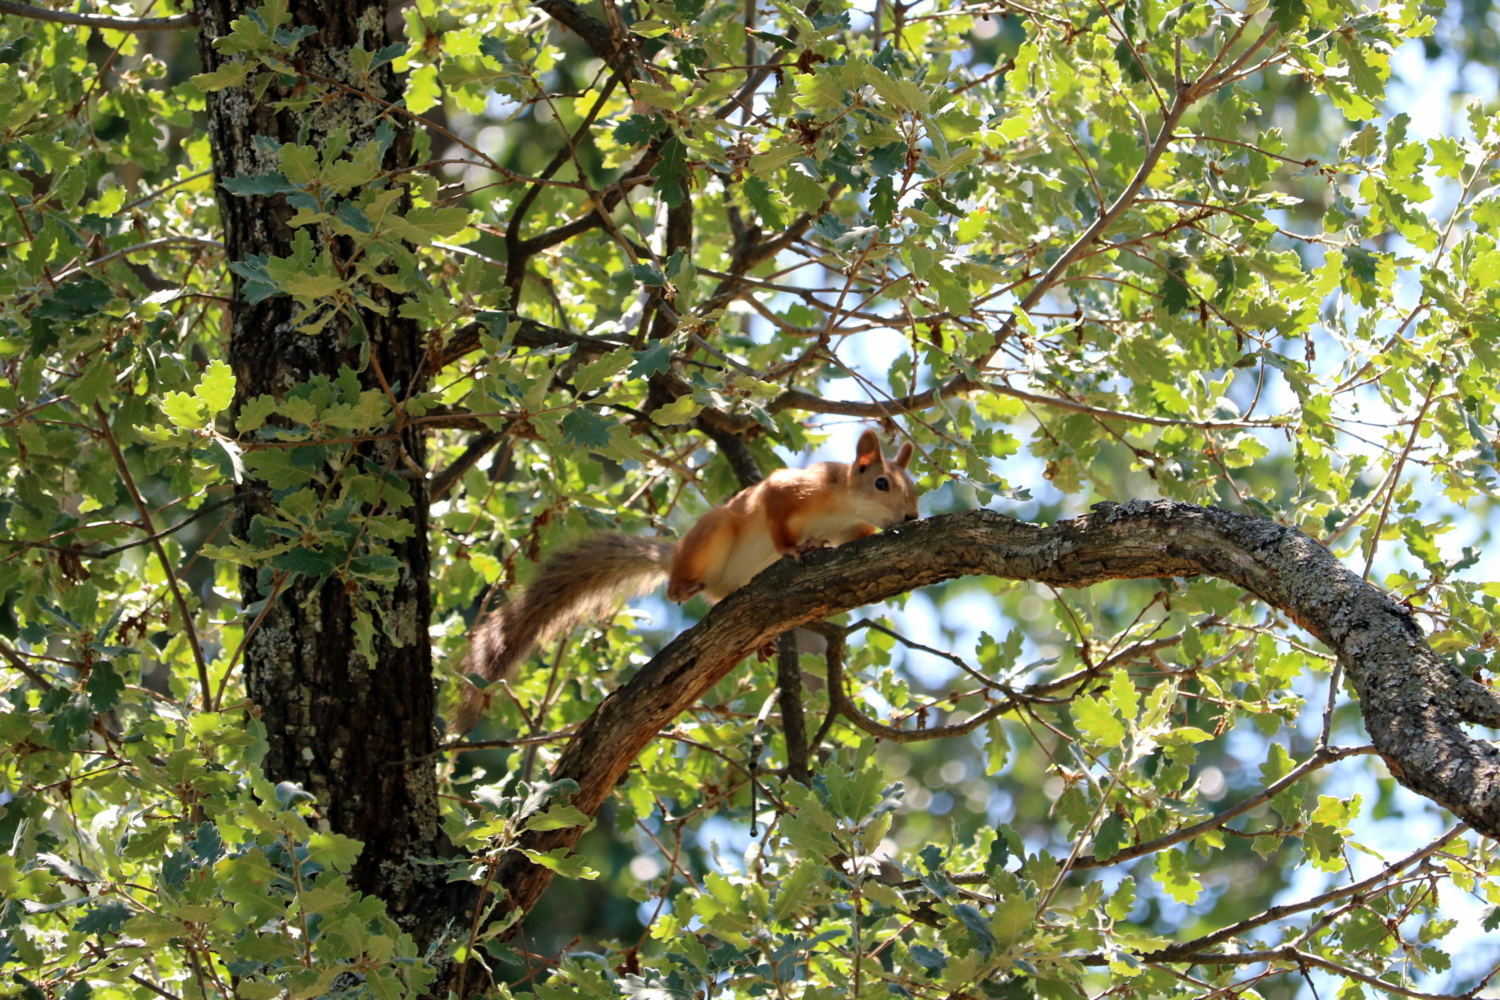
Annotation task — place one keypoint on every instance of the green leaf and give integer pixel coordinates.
(67, 869)
(883, 202)
(654, 360)
(1110, 838)
(796, 887)
(254, 412)
(96, 379)
(75, 300)
(423, 225)
(276, 467)
(104, 687)
(1122, 902)
(560, 861)
(299, 164)
(229, 74)
(803, 190)
(596, 374)
(638, 130)
(559, 816)
(1184, 735)
(263, 185)
(1098, 722)
(1175, 877)
(1484, 272)
(333, 850)
(671, 173)
(187, 412)
(1288, 14)
(997, 748)
(107, 918)
(648, 275)
(764, 201)
(780, 41)
(1175, 294)
(216, 389)
(1278, 764)
(1123, 695)
(1129, 65)
(680, 411)
(583, 428)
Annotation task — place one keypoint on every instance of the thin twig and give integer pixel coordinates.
(189, 629)
(1319, 759)
(21, 665)
(1276, 913)
(1385, 510)
(177, 22)
(114, 549)
(156, 244)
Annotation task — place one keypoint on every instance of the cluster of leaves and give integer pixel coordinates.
(1070, 226)
(195, 859)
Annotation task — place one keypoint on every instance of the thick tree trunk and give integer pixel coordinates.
(337, 725)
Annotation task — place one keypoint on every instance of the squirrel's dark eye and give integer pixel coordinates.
(883, 484)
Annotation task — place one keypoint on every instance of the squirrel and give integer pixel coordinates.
(789, 513)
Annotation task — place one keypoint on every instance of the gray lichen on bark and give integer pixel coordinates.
(337, 724)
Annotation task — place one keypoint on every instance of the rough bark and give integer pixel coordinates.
(793, 721)
(1415, 703)
(335, 722)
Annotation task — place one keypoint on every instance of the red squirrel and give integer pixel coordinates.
(790, 512)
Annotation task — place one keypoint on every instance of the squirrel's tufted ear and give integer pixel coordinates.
(867, 452)
(904, 455)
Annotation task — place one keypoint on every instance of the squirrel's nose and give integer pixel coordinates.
(911, 517)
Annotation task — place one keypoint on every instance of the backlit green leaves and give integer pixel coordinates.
(1257, 325)
(209, 398)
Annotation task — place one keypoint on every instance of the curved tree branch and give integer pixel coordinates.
(478, 447)
(529, 334)
(1414, 702)
(177, 22)
(594, 32)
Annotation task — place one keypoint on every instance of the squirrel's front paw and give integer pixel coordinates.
(811, 545)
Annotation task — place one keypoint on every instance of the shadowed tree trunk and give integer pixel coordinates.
(336, 723)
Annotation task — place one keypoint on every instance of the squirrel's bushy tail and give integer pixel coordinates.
(575, 585)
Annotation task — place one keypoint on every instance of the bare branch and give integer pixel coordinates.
(1322, 758)
(177, 22)
(1299, 958)
(478, 447)
(1357, 889)
(189, 629)
(531, 334)
(14, 659)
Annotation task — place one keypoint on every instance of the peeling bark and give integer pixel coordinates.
(1414, 702)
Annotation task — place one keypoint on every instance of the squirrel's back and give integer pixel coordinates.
(788, 513)
(578, 584)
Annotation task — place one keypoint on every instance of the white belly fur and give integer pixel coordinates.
(751, 553)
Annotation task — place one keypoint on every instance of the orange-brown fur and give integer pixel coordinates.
(788, 513)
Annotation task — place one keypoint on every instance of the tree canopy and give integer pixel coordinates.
(317, 335)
